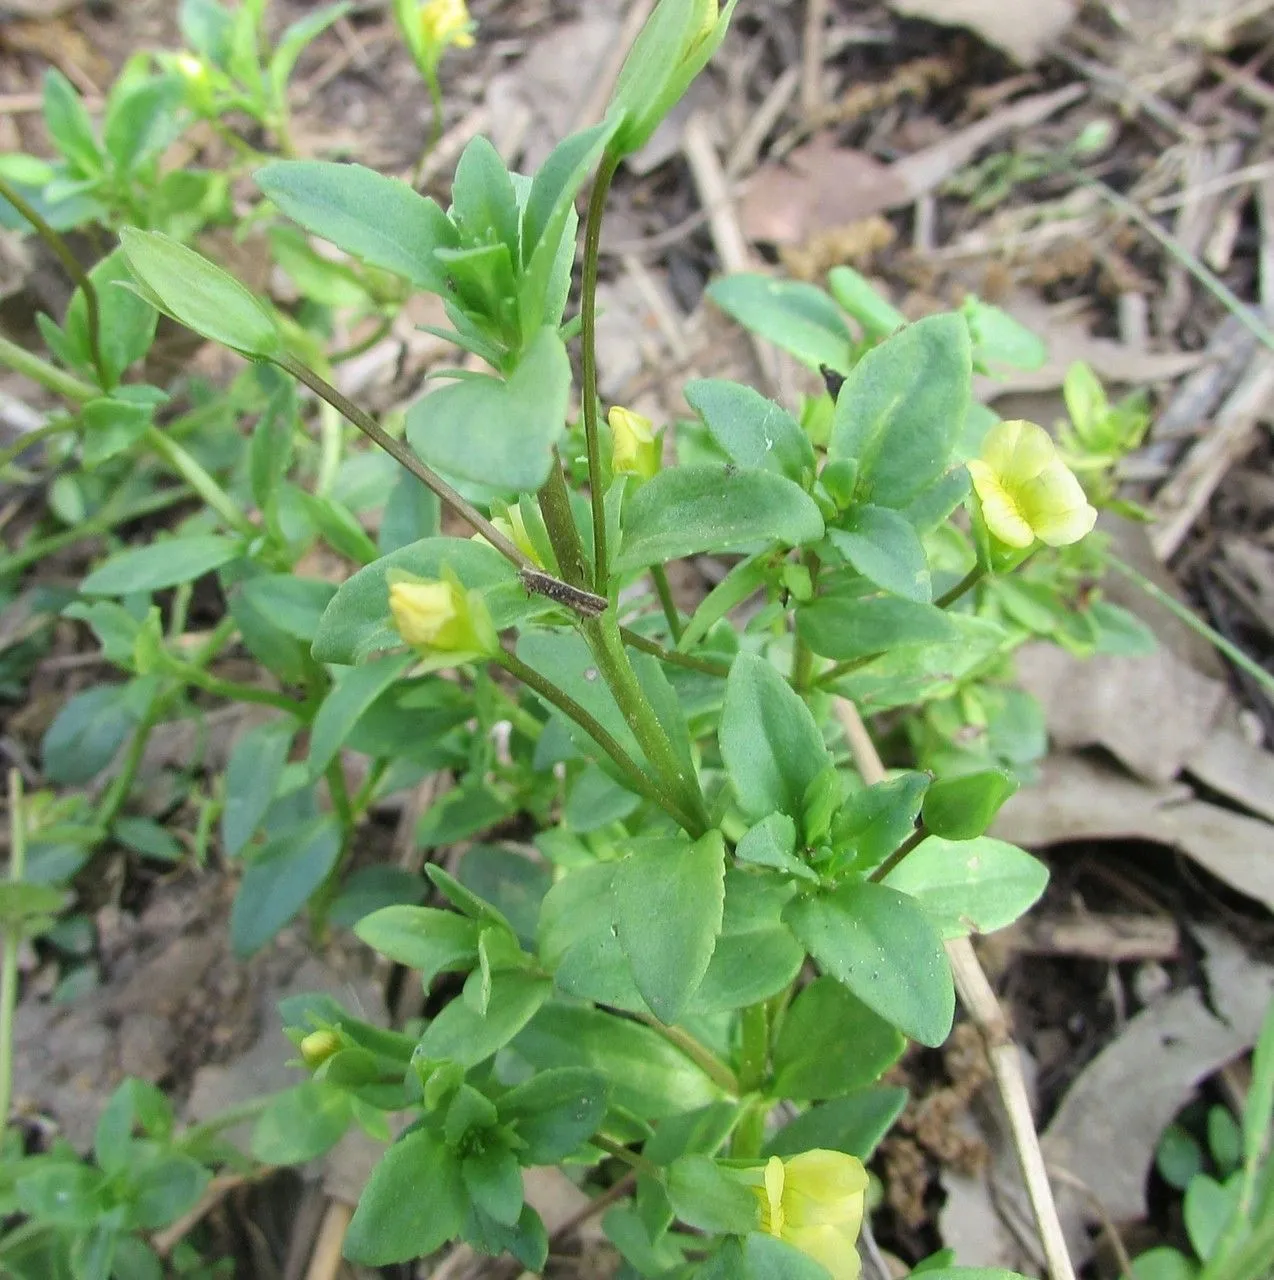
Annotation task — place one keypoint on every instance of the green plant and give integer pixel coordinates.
(1227, 1182)
(704, 824)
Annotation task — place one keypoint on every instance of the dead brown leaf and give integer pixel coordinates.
(1022, 31)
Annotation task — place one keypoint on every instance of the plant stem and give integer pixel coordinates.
(1188, 616)
(29, 439)
(754, 1051)
(848, 667)
(49, 376)
(634, 1161)
(233, 691)
(749, 1135)
(674, 657)
(588, 316)
(612, 661)
(915, 839)
(12, 937)
(659, 575)
(200, 481)
(232, 1116)
(963, 587)
(103, 522)
(802, 654)
(703, 1057)
(555, 506)
(72, 267)
(640, 782)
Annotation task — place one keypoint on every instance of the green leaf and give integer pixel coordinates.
(380, 221)
(200, 295)
(1178, 1157)
(688, 510)
(357, 623)
(555, 1112)
(148, 838)
(877, 317)
(769, 1258)
(483, 205)
(294, 605)
(873, 822)
(126, 322)
(87, 732)
(69, 125)
(422, 938)
(902, 409)
(142, 118)
(998, 339)
(461, 1034)
(293, 41)
(499, 433)
(770, 744)
(279, 880)
(772, 843)
(1207, 1209)
(338, 527)
(412, 513)
(167, 563)
(854, 1124)
(391, 1224)
(886, 950)
(753, 431)
(886, 549)
(21, 902)
(647, 1075)
(843, 626)
(809, 1055)
(705, 1197)
(273, 438)
(110, 427)
(494, 1183)
(302, 1123)
(963, 807)
(667, 896)
(1162, 1263)
(252, 778)
(163, 1189)
(800, 318)
(356, 689)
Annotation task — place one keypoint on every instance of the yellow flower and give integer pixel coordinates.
(513, 526)
(1026, 491)
(317, 1047)
(441, 618)
(636, 451)
(446, 22)
(814, 1202)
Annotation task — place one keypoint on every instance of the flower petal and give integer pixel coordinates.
(832, 1248)
(772, 1212)
(1000, 509)
(824, 1188)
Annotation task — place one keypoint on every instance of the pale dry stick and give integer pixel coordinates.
(1233, 434)
(451, 144)
(595, 104)
(812, 58)
(723, 220)
(1117, 1245)
(665, 316)
(325, 1261)
(743, 155)
(165, 1241)
(983, 1008)
(1212, 186)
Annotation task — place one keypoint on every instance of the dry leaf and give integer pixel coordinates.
(1024, 31)
(1077, 799)
(1136, 1085)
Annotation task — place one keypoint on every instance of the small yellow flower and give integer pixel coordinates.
(815, 1202)
(513, 526)
(636, 450)
(446, 22)
(1026, 491)
(442, 618)
(318, 1046)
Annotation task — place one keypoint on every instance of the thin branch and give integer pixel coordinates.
(984, 1010)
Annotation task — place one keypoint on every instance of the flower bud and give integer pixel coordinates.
(441, 618)
(814, 1202)
(513, 526)
(636, 450)
(318, 1046)
(444, 23)
(1026, 492)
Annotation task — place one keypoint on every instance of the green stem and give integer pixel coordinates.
(630, 1158)
(331, 446)
(802, 654)
(103, 522)
(850, 665)
(363, 345)
(659, 575)
(12, 937)
(754, 1050)
(233, 691)
(703, 1057)
(250, 1110)
(961, 588)
(612, 661)
(71, 265)
(749, 1135)
(200, 481)
(674, 657)
(30, 438)
(640, 782)
(915, 839)
(435, 131)
(1187, 615)
(555, 506)
(49, 376)
(339, 791)
(588, 317)
(1252, 1258)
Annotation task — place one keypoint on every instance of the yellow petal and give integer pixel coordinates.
(1017, 451)
(824, 1188)
(772, 1211)
(833, 1248)
(1057, 507)
(1004, 518)
(422, 610)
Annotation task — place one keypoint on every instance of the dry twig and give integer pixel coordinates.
(984, 1010)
